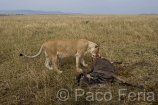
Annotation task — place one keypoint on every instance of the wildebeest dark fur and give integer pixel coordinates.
(102, 72)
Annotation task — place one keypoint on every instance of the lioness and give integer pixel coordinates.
(64, 48)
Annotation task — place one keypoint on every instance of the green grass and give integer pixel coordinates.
(128, 38)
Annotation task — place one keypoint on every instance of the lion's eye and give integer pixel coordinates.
(96, 46)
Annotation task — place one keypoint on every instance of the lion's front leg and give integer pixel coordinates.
(83, 62)
(78, 60)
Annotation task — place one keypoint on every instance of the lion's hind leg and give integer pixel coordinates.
(47, 62)
(54, 64)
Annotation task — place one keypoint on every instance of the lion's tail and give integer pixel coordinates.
(33, 55)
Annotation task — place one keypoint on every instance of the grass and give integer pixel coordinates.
(128, 38)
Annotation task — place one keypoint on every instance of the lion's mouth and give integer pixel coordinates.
(96, 56)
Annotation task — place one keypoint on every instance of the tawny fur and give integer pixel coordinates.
(61, 48)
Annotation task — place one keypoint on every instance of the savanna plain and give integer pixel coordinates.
(132, 39)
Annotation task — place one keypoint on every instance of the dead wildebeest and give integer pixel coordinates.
(102, 72)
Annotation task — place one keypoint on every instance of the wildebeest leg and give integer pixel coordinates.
(113, 62)
(123, 81)
(78, 78)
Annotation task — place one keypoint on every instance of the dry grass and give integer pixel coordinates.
(128, 38)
